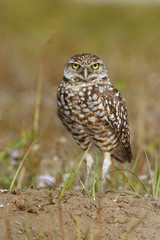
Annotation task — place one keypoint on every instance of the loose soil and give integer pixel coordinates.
(35, 214)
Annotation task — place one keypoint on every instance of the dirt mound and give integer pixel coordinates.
(35, 214)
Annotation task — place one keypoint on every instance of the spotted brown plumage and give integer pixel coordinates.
(93, 110)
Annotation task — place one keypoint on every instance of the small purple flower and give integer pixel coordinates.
(46, 179)
(14, 154)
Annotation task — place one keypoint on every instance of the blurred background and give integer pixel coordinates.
(36, 39)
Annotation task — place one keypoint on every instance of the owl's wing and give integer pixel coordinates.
(118, 121)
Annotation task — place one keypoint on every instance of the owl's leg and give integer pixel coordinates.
(106, 165)
(89, 163)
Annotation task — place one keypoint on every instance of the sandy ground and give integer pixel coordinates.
(35, 214)
(126, 39)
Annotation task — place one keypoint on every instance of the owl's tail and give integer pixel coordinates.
(122, 153)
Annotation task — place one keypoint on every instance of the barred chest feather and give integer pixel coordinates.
(85, 108)
(81, 104)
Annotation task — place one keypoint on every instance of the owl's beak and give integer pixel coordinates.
(85, 73)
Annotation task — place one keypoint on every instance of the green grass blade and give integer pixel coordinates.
(21, 164)
(126, 179)
(64, 189)
(150, 172)
(71, 176)
(136, 160)
(79, 165)
(25, 156)
(133, 175)
(97, 172)
(157, 187)
(149, 167)
(93, 187)
(155, 180)
(155, 177)
(84, 188)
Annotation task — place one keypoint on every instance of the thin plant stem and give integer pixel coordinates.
(38, 101)
(25, 156)
(71, 176)
(21, 164)
(133, 175)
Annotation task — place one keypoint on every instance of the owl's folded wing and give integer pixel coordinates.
(118, 120)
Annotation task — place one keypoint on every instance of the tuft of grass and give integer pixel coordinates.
(122, 179)
(84, 188)
(71, 176)
(20, 166)
(95, 180)
(155, 178)
(126, 179)
(25, 157)
(136, 160)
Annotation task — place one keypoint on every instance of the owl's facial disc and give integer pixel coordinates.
(86, 73)
(85, 68)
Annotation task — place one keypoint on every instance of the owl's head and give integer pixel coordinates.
(85, 67)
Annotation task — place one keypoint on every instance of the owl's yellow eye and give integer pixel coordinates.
(75, 65)
(95, 66)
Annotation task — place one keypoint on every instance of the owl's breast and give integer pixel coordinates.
(85, 105)
(84, 109)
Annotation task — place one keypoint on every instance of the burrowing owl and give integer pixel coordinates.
(94, 111)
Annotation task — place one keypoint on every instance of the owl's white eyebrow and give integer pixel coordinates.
(80, 86)
(71, 61)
